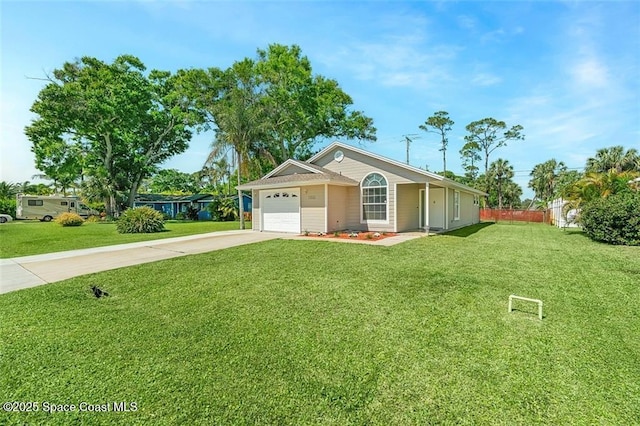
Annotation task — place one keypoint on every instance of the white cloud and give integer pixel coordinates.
(485, 79)
(590, 73)
(397, 62)
(467, 22)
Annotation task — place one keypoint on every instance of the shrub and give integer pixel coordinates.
(69, 219)
(223, 209)
(191, 213)
(140, 220)
(613, 220)
(8, 206)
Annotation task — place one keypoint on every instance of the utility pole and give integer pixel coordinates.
(408, 139)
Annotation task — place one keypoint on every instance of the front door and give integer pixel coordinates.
(436, 208)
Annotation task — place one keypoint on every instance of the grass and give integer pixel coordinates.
(353, 334)
(23, 238)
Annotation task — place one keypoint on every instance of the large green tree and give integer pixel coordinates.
(172, 181)
(113, 123)
(487, 135)
(301, 107)
(270, 109)
(440, 124)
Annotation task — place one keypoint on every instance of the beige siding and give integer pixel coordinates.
(356, 166)
(312, 208)
(469, 213)
(466, 209)
(353, 207)
(255, 210)
(408, 207)
(337, 208)
(291, 170)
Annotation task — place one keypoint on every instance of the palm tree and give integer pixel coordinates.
(500, 173)
(8, 189)
(237, 115)
(512, 193)
(596, 185)
(614, 158)
(544, 179)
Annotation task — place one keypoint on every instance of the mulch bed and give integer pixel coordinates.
(353, 235)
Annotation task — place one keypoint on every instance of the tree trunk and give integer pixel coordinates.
(134, 190)
(444, 161)
(240, 200)
(110, 204)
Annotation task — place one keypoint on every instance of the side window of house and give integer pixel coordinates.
(456, 205)
(374, 197)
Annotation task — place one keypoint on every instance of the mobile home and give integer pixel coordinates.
(46, 208)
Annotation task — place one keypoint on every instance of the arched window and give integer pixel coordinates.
(374, 197)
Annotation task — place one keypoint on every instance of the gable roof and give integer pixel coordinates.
(316, 175)
(449, 182)
(312, 168)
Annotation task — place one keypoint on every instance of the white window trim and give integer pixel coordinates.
(362, 220)
(456, 205)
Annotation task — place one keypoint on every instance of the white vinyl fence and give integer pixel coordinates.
(557, 218)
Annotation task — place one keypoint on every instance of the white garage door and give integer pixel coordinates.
(281, 210)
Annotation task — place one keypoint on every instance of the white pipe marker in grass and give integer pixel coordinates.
(526, 299)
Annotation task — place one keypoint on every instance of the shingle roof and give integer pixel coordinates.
(170, 198)
(322, 176)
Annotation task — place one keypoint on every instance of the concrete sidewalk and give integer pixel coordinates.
(30, 271)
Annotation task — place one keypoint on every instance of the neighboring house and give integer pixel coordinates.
(171, 205)
(344, 187)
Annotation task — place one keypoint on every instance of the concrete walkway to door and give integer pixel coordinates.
(30, 271)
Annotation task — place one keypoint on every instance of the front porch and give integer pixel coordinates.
(422, 207)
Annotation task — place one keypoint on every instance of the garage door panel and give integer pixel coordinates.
(281, 210)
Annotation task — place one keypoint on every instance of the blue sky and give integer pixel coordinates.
(567, 71)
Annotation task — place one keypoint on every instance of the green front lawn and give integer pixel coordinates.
(313, 332)
(23, 238)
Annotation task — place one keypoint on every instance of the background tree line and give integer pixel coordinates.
(609, 172)
(483, 138)
(106, 128)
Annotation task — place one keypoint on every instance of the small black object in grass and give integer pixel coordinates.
(98, 292)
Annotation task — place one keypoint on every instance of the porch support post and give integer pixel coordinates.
(446, 208)
(326, 208)
(426, 207)
(395, 207)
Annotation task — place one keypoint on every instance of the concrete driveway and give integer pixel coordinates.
(29, 271)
